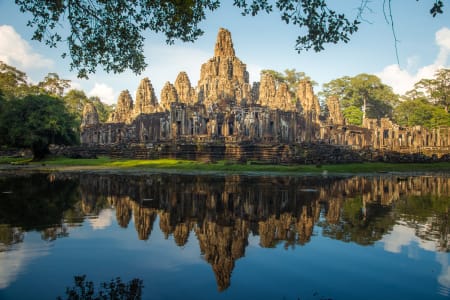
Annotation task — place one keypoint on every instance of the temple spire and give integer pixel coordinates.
(224, 44)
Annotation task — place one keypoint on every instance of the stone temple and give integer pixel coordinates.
(226, 117)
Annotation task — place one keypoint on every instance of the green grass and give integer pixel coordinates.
(64, 161)
(14, 160)
(227, 166)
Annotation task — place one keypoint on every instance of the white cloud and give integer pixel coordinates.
(103, 220)
(401, 236)
(14, 261)
(412, 62)
(401, 80)
(404, 80)
(444, 276)
(443, 41)
(104, 92)
(16, 51)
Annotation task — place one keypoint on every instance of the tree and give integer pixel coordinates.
(279, 77)
(114, 289)
(355, 225)
(13, 82)
(289, 76)
(109, 33)
(353, 115)
(364, 92)
(75, 101)
(35, 122)
(428, 103)
(103, 110)
(54, 85)
(2, 101)
(436, 89)
(36, 203)
(419, 111)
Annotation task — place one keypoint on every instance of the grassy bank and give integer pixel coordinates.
(226, 166)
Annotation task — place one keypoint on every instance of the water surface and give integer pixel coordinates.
(227, 237)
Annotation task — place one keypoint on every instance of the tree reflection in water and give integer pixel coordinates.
(115, 289)
(222, 212)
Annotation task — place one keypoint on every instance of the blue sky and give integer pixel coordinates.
(262, 42)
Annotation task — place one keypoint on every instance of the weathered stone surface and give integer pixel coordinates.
(335, 114)
(283, 99)
(124, 109)
(146, 101)
(168, 96)
(273, 96)
(224, 44)
(224, 78)
(308, 101)
(186, 93)
(267, 90)
(90, 116)
(310, 110)
(254, 93)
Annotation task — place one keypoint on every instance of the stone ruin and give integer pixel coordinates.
(226, 117)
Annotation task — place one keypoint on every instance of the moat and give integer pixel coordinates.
(227, 237)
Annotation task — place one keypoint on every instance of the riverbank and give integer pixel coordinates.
(106, 164)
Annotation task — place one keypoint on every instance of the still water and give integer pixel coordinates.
(227, 237)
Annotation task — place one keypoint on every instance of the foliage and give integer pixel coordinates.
(437, 90)
(76, 100)
(54, 85)
(10, 235)
(431, 210)
(437, 8)
(36, 121)
(35, 116)
(110, 33)
(115, 289)
(353, 115)
(428, 103)
(35, 202)
(289, 76)
(420, 112)
(359, 90)
(2, 101)
(13, 82)
(361, 224)
(420, 208)
(103, 109)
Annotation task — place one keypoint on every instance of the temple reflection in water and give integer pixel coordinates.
(222, 212)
